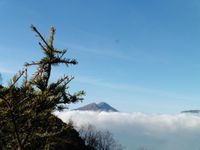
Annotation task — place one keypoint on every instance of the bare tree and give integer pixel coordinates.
(99, 140)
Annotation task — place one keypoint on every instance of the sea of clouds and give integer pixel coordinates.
(140, 131)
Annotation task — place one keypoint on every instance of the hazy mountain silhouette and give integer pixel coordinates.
(97, 107)
(191, 111)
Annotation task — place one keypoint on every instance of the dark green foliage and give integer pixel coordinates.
(26, 105)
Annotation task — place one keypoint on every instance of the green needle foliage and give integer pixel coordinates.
(26, 104)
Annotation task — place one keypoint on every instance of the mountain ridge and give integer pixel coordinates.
(195, 111)
(102, 106)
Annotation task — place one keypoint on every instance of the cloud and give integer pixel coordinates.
(130, 54)
(136, 88)
(138, 130)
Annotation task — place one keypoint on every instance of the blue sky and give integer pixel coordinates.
(137, 55)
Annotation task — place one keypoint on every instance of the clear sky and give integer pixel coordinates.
(137, 55)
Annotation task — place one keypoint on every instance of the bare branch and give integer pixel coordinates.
(41, 37)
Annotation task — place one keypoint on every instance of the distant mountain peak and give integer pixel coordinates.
(102, 106)
(191, 111)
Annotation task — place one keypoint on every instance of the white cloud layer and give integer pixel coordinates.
(139, 131)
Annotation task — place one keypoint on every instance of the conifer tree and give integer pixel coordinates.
(26, 104)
